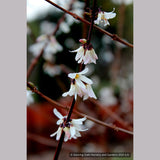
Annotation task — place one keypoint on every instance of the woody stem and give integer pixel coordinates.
(92, 22)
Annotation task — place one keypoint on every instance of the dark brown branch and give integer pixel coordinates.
(92, 22)
(113, 36)
(58, 149)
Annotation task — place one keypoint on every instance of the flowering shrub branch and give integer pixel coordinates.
(80, 84)
(113, 36)
(56, 104)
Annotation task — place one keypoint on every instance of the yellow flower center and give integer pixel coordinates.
(77, 76)
(103, 17)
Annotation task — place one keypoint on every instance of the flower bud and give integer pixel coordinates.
(83, 41)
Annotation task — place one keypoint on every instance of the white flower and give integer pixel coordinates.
(70, 128)
(47, 27)
(51, 70)
(103, 17)
(30, 98)
(80, 54)
(52, 46)
(107, 97)
(85, 54)
(64, 27)
(81, 85)
(90, 56)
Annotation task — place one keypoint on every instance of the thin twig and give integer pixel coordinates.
(56, 104)
(113, 36)
(34, 62)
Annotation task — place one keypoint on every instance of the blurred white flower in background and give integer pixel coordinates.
(64, 27)
(122, 1)
(47, 27)
(69, 42)
(108, 57)
(51, 48)
(77, 8)
(106, 40)
(72, 128)
(96, 80)
(30, 98)
(107, 97)
(51, 70)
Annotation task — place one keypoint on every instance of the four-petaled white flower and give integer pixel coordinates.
(80, 85)
(85, 53)
(72, 128)
(103, 17)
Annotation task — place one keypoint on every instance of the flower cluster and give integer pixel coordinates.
(71, 128)
(80, 85)
(85, 53)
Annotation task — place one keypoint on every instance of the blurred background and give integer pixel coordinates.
(112, 78)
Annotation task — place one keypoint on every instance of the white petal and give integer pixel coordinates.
(90, 92)
(107, 23)
(71, 91)
(59, 133)
(57, 113)
(96, 21)
(80, 83)
(85, 79)
(85, 97)
(80, 60)
(84, 71)
(75, 96)
(72, 131)
(65, 138)
(109, 15)
(60, 121)
(79, 121)
(52, 135)
(79, 49)
(79, 55)
(72, 75)
(80, 127)
(65, 94)
(78, 134)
